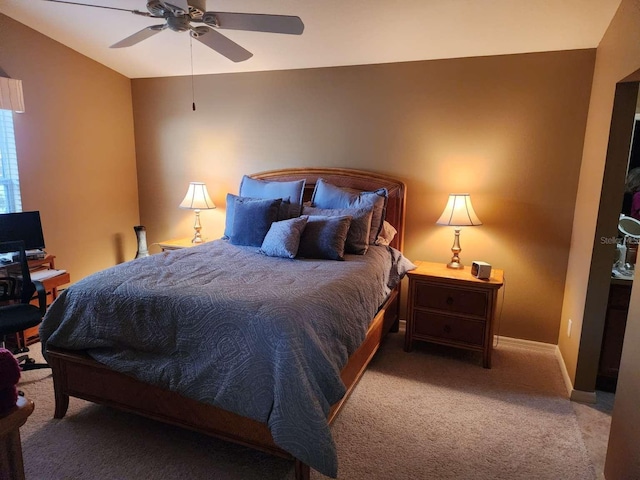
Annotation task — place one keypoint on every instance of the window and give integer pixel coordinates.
(10, 200)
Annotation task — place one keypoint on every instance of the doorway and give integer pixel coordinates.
(611, 199)
(622, 275)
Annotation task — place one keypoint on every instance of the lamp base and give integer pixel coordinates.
(197, 237)
(455, 250)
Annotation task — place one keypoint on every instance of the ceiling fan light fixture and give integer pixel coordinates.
(181, 23)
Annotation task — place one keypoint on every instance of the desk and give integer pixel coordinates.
(11, 464)
(50, 284)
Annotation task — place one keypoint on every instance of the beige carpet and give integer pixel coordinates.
(432, 414)
(594, 420)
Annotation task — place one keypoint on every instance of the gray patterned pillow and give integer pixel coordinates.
(358, 235)
(283, 238)
(324, 237)
(286, 210)
(256, 188)
(326, 195)
(252, 219)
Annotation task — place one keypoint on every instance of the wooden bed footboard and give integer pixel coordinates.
(76, 374)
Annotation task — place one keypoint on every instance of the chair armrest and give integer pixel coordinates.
(42, 296)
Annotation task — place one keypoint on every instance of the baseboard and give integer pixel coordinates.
(573, 394)
(581, 396)
(526, 344)
(565, 374)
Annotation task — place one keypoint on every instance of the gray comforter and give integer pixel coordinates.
(263, 337)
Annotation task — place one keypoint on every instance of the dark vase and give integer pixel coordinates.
(141, 234)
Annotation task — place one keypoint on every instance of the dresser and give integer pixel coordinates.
(451, 307)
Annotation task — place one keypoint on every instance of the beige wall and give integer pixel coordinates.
(507, 129)
(75, 150)
(618, 57)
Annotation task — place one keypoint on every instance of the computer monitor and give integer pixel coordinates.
(25, 226)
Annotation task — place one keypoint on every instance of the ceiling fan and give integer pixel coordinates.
(180, 15)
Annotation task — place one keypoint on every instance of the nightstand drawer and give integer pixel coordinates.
(443, 327)
(448, 299)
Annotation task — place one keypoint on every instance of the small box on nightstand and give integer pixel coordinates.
(481, 270)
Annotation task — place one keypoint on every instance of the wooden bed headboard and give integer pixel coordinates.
(351, 178)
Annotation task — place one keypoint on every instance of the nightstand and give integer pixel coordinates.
(451, 307)
(12, 465)
(178, 243)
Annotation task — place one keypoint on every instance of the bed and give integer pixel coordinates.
(87, 366)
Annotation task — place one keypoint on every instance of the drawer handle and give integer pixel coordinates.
(447, 329)
(449, 300)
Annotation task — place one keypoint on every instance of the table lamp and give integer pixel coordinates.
(197, 198)
(458, 213)
(11, 96)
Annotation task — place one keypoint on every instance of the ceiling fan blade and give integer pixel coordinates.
(255, 22)
(137, 12)
(221, 44)
(139, 36)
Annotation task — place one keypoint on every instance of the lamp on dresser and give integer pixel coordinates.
(197, 198)
(458, 213)
(11, 96)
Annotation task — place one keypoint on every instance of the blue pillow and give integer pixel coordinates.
(289, 210)
(292, 191)
(252, 219)
(283, 238)
(326, 195)
(358, 235)
(324, 237)
(286, 210)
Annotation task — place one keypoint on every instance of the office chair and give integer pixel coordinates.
(16, 292)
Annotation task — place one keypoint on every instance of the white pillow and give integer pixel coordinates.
(387, 233)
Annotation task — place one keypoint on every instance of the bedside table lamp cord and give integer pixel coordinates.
(504, 288)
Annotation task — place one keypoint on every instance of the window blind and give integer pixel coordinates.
(10, 200)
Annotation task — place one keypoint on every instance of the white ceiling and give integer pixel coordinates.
(337, 32)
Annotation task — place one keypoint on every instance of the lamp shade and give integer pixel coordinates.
(197, 197)
(11, 97)
(459, 211)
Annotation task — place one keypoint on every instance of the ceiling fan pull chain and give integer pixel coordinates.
(193, 93)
